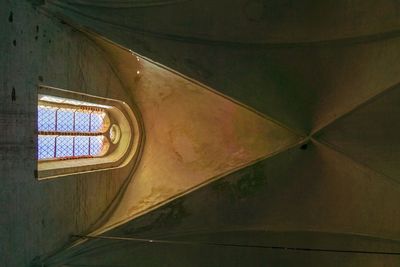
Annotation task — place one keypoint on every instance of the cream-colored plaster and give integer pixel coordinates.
(193, 134)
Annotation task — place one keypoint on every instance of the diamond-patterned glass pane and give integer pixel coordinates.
(46, 118)
(70, 131)
(82, 121)
(97, 121)
(81, 146)
(96, 145)
(46, 147)
(65, 120)
(70, 120)
(64, 146)
(69, 146)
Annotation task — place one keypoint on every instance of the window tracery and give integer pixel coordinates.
(80, 133)
(69, 129)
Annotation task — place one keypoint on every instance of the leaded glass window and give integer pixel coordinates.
(71, 129)
(81, 133)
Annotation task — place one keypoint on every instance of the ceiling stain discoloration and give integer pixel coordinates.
(267, 123)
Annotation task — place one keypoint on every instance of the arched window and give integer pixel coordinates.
(81, 133)
(70, 129)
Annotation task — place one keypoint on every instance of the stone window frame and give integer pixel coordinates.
(119, 156)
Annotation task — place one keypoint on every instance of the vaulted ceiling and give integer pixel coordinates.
(271, 132)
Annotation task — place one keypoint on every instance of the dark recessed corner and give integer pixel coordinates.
(304, 146)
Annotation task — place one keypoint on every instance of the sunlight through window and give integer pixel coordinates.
(70, 129)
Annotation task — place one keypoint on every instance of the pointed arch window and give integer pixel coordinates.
(80, 133)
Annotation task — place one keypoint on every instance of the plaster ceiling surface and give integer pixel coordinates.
(193, 134)
(326, 70)
(266, 205)
(305, 63)
(377, 125)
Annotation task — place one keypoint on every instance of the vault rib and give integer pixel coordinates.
(358, 106)
(338, 150)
